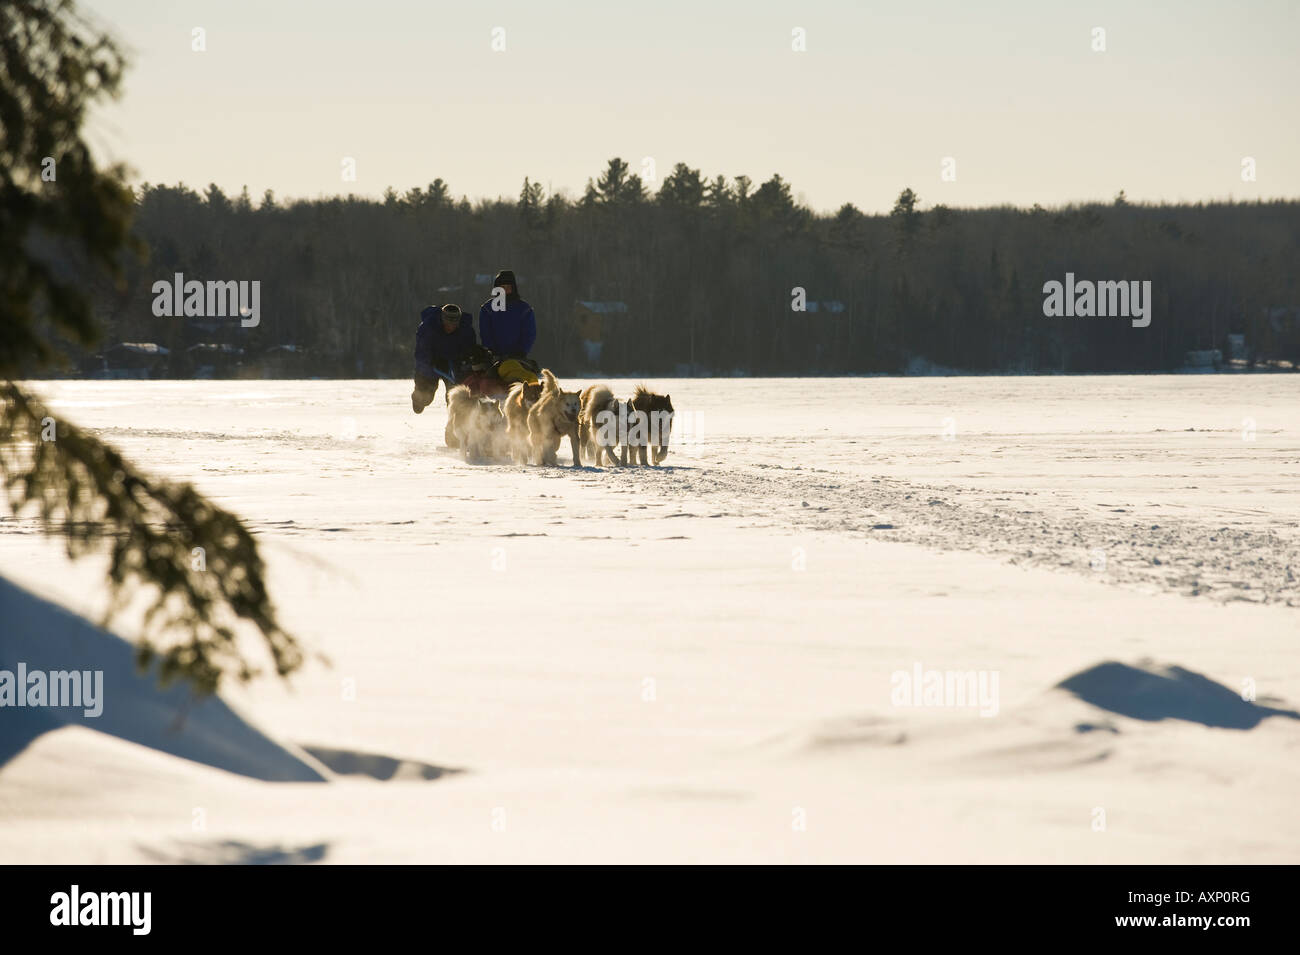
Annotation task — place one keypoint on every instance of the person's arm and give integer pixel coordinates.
(528, 332)
(487, 334)
(465, 345)
(424, 352)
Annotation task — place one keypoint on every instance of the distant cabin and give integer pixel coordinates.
(485, 278)
(832, 307)
(274, 361)
(214, 360)
(130, 360)
(1282, 335)
(1209, 358)
(590, 320)
(280, 361)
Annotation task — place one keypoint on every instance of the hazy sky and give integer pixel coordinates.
(1012, 91)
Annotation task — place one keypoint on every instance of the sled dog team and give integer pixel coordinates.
(530, 423)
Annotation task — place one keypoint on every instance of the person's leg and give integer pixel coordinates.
(423, 393)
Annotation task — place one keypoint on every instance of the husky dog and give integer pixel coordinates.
(603, 423)
(554, 416)
(655, 428)
(477, 424)
(518, 402)
(494, 416)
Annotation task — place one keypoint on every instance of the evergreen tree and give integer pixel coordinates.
(613, 183)
(683, 188)
(530, 205)
(53, 65)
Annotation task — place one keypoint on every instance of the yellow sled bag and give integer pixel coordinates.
(512, 370)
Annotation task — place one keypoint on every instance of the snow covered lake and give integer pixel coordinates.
(726, 658)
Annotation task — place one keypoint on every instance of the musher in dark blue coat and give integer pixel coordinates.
(444, 346)
(509, 329)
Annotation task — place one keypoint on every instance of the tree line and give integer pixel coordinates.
(712, 271)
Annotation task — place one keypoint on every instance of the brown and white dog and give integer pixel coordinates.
(518, 403)
(477, 425)
(553, 417)
(653, 430)
(603, 424)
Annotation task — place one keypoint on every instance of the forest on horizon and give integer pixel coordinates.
(706, 268)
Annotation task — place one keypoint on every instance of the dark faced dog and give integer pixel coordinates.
(655, 428)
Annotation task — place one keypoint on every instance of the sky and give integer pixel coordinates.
(970, 104)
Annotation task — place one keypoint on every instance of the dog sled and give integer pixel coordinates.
(491, 378)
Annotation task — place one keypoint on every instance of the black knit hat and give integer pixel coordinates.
(505, 277)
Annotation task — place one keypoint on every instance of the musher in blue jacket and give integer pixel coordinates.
(509, 329)
(444, 345)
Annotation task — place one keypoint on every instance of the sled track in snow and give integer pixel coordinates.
(1177, 555)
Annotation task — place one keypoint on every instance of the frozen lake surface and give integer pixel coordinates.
(700, 662)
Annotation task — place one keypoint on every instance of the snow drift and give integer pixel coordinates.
(45, 637)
